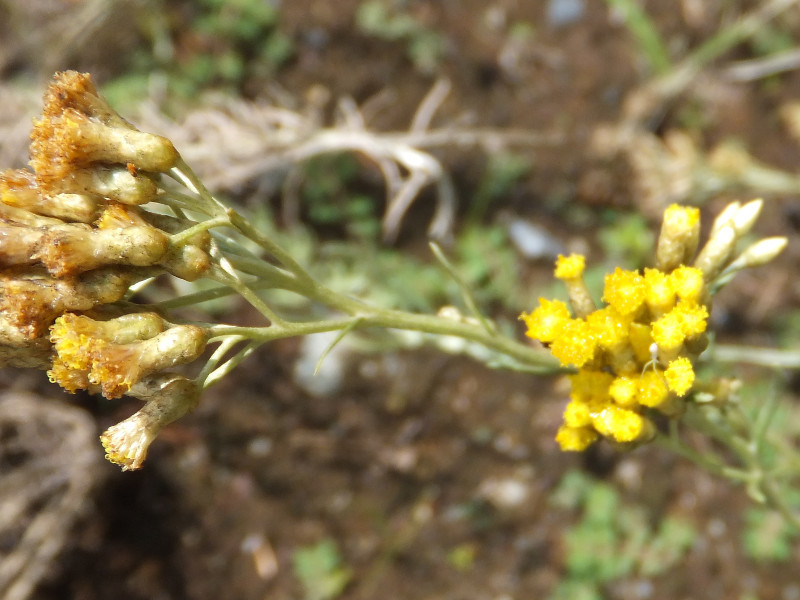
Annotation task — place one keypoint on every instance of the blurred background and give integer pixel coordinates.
(353, 132)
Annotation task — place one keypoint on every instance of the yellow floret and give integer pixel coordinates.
(578, 414)
(668, 331)
(575, 439)
(692, 317)
(575, 343)
(590, 386)
(641, 338)
(624, 290)
(609, 327)
(680, 375)
(688, 283)
(652, 390)
(623, 390)
(659, 293)
(682, 218)
(622, 424)
(570, 267)
(546, 321)
(71, 344)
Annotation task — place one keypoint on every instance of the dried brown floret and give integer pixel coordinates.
(117, 366)
(111, 183)
(31, 303)
(74, 248)
(18, 188)
(73, 337)
(18, 244)
(168, 397)
(70, 140)
(116, 215)
(71, 89)
(21, 216)
(16, 350)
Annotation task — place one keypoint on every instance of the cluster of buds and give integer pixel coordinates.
(636, 354)
(74, 236)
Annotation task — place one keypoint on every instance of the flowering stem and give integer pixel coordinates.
(217, 374)
(184, 236)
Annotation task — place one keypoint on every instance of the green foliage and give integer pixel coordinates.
(245, 40)
(424, 47)
(319, 569)
(231, 42)
(771, 39)
(627, 240)
(502, 171)
(328, 197)
(767, 536)
(243, 20)
(644, 31)
(487, 263)
(612, 540)
(462, 557)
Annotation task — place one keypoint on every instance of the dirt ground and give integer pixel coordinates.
(419, 455)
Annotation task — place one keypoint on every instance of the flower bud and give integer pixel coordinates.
(169, 397)
(680, 233)
(73, 248)
(569, 269)
(759, 253)
(724, 218)
(18, 188)
(717, 252)
(112, 183)
(21, 216)
(746, 217)
(187, 262)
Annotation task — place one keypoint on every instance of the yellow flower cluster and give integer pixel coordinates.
(635, 353)
(74, 236)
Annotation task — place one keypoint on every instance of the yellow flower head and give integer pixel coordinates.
(590, 386)
(668, 331)
(680, 376)
(652, 389)
(622, 424)
(578, 414)
(659, 291)
(688, 283)
(624, 290)
(610, 328)
(570, 267)
(624, 390)
(575, 439)
(692, 316)
(575, 343)
(546, 321)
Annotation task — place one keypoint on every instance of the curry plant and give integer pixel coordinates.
(106, 209)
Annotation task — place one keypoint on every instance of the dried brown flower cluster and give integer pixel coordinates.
(74, 237)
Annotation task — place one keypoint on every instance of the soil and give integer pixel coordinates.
(418, 454)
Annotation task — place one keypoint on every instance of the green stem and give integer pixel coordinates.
(267, 244)
(222, 275)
